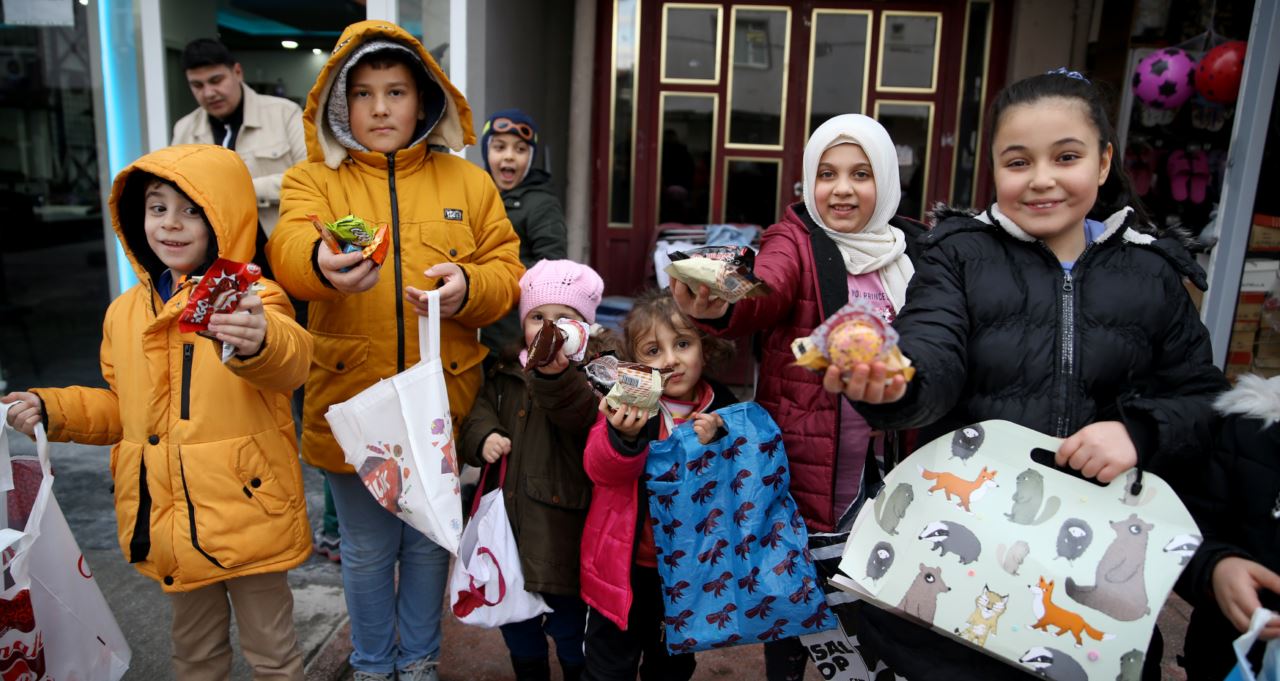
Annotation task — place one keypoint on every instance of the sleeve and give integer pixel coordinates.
(934, 334)
(778, 265)
(606, 465)
(567, 398)
(548, 237)
(89, 416)
(285, 358)
(291, 249)
(1210, 505)
(1169, 414)
(480, 423)
(267, 187)
(493, 274)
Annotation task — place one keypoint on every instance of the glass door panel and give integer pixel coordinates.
(910, 124)
(691, 43)
(758, 60)
(686, 135)
(751, 189)
(622, 116)
(838, 59)
(909, 51)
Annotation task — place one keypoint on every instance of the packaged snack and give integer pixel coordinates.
(569, 334)
(624, 383)
(853, 335)
(729, 271)
(351, 233)
(217, 292)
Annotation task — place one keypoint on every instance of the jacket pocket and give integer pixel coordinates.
(258, 480)
(132, 496)
(447, 240)
(271, 159)
(339, 354)
(554, 492)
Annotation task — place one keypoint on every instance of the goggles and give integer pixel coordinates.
(521, 130)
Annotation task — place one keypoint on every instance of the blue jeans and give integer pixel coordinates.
(566, 624)
(390, 628)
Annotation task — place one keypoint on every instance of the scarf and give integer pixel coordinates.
(878, 247)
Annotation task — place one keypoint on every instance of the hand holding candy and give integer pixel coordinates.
(706, 425)
(868, 383)
(361, 273)
(556, 366)
(699, 305)
(627, 419)
(25, 412)
(244, 332)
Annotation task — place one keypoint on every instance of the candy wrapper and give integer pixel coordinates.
(729, 271)
(624, 383)
(853, 335)
(570, 335)
(219, 292)
(351, 233)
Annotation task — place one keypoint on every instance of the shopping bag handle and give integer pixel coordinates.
(429, 329)
(484, 474)
(474, 597)
(42, 448)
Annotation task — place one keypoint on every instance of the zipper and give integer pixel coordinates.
(1067, 346)
(191, 512)
(188, 354)
(395, 248)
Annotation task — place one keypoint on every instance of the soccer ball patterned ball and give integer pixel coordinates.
(1165, 79)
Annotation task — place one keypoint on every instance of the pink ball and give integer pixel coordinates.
(1165, 79)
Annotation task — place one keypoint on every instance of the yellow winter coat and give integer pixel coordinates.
(204, 457)
(440, 208)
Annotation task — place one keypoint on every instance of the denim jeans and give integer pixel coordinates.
(390, 627)
(566, 624)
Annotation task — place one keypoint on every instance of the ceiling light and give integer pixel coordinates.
(316, 51)
(289, 44)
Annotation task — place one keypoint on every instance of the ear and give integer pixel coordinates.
(1104, 168)
(238, 71)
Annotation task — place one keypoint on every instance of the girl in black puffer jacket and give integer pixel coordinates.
(1057, 308)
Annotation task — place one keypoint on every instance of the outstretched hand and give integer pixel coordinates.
(628, 419)
(360, 278)
(699, 305)
(245, 329)
(868, 383)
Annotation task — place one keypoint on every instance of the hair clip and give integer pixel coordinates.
(1063, 71)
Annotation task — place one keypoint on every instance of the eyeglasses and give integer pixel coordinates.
(521, 130)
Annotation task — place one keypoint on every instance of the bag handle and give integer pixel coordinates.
(42, 449)
(429, 330)
(502, 582)
(484, 474)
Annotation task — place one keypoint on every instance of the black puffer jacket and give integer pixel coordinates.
(998, 330)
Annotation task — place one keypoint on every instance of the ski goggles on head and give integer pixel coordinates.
(505, 125)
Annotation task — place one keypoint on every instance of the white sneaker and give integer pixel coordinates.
(422, 670)
(372, 676)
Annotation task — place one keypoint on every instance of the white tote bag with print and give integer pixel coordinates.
(54, 621)
(398, 435)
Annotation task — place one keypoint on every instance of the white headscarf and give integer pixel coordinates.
(878, 247)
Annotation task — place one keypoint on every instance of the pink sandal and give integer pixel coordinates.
(1200, 178)
(1179, 175)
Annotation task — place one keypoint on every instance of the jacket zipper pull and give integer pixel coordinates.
(1067, 285)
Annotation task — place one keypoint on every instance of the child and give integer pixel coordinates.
(619, 564)
(540, 422)
(204, 463)
(843, 243)
(1036, 313)
(371, 118)
(509, 140)
(1234, 571)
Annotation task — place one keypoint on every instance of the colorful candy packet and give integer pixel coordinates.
(570, 335)
(854, 335)
(219, 291)
(350, 233)
(627, 383)
(728, 271)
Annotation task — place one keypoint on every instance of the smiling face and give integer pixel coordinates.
(1049, 164)
(845, 189)
(216, 88)
(385, 106)
(175, 228)
(508, 159)
(674, 345)
(553, 311)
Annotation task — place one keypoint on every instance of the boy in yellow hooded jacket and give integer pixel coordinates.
(377, 109)
(204, 461)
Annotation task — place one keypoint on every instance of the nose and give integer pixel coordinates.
(668, 358)
(171, 222)
(380, 105)
(1042, 177)
(844, 186)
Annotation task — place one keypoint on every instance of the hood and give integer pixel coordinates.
(867, 133)
(453, 129)
(214, 178)
(1253, 396)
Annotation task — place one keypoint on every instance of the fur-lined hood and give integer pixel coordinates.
(1254, 397)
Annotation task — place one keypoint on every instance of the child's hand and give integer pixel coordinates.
(706, 425)
(360, 278)
(866, 383)
(25, 412)
(1236, 582)
(1100, 450)
(628, 419)
(557, 366)
(453, 290)
(244, 332)
(701, 305)
(495, 447)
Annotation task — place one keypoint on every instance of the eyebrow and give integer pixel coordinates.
(1021, 147)
(394, 83)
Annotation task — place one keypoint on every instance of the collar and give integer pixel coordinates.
(1117, 223)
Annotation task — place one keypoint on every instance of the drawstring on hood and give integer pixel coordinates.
(338, 115)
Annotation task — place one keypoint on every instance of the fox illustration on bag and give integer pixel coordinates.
(965, 490)
(1048, 614)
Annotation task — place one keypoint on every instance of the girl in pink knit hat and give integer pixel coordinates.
(537, 418)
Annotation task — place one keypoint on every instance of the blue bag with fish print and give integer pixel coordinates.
(732, 549)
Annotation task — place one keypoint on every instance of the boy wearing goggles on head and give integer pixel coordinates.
(509, 141)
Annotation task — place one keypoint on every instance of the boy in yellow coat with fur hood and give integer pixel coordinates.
(371, 120)
(208, 490)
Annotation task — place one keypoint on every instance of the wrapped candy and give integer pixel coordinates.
(570, 335)
(217, 292)
(853, 335)
(627, 383)
(728, 271)
(351, 233)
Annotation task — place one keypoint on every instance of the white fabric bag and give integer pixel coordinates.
(398, 435)
(486, 584)
(54, 622)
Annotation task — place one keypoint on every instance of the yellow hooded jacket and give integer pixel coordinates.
(204, 457)
(439, 208)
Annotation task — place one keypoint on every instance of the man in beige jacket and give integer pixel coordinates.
(265, 131)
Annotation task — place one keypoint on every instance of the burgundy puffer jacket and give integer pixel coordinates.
(804, 268)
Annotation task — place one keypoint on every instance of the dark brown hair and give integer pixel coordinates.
(656, 306)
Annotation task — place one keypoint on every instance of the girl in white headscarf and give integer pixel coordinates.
(843, 242)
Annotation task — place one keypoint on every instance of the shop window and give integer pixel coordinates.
(909, 44)
(685, 136)
(622, 112)
(691, 43)
(838, 62)
(758, 80)
(910, 124)
(751, 190)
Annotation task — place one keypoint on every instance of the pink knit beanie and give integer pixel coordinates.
(561, 282)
